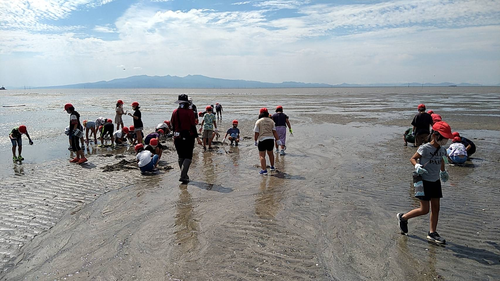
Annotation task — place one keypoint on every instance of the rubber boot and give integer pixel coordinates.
(184, 172)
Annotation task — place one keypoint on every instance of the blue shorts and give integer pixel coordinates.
(458, 159)
(16, 142)
(149, 167)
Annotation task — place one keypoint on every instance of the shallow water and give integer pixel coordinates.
(327, 214)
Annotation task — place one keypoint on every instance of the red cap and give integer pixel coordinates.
(430, 111)
(134, 104)
(456, 134)
(131, 128)
(110, 121)
(160, 131)
(22, 129)
(262, 110)
(208, 108)
(200, 113)
(421, 106)
(443, 128)
(67, 106)
(119, 102)
(436, 118)
(279, 108)
(235, 121)
(125, 130)
(138, 146)
(457, 139)
(153, 142)
(100, 127)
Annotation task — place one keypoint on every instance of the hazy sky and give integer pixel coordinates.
(56, 42)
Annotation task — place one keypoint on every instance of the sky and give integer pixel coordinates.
(61, 42)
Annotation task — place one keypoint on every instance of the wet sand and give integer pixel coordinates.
(328, 213)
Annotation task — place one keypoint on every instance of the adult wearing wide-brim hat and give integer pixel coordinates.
(184, 128)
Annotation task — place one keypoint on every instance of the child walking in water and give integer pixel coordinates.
(428, 162)
(281, 121)
(119, 113)
(16, 140)
(265, 134)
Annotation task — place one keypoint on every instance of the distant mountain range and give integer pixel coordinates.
(203, 82)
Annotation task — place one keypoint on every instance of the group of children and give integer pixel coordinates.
(149, 148)
(457, 153)
(430, 134)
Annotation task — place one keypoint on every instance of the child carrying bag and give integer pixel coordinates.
(418, 183)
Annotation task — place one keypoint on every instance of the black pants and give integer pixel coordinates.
(184, 147)
(75, 143)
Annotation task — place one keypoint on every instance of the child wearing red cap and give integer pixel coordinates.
(16, 140)
(457, 154)
(145, 159)
(155, 147)
(265, 134)
(119, 112)
(138, 126)
(470, 146)
(281, 122)
(428, 162)
(209, 125)
(233, 133)
(218, 110)
(421, 124)
(107, 130)
(120, 136)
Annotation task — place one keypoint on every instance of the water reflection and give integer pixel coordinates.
(186, 226)
(18, 169)
(208, 167)
(268, 201)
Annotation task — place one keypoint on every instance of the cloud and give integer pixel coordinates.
(29, 15)
(104, 29)
(241, 3)
(361, 43)
(281, 4)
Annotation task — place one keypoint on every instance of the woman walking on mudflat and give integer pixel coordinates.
(184, 127)
(265, 134)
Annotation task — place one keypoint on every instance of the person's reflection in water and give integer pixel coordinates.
(18, 170)
(208, 168)
(268, 201)
(186, 227)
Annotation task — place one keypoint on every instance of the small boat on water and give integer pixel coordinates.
(2, 88)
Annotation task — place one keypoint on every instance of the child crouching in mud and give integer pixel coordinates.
(145, 159)
(428, 162)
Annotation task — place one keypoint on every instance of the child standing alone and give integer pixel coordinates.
(208, 124)
(15, 138)
(428, 162)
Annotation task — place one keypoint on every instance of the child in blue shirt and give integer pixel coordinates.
(233, 133)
